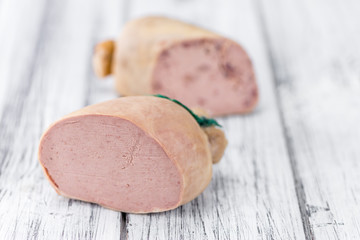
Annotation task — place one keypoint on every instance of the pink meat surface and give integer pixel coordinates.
(214, 74)
(112, 162)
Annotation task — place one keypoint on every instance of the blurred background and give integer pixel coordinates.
(291, 170)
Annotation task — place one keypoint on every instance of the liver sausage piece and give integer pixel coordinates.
(157, 55)
(134, 154)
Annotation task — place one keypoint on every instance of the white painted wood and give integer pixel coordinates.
(315, 48)
(46, 49)
(16, 53)
(252, 193)
(289, 167)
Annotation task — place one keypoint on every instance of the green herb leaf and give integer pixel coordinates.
(202, 121)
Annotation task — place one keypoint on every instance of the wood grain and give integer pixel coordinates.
(45, 61)
(315, 52)
(252, 193)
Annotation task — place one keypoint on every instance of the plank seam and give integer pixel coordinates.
(123, 226)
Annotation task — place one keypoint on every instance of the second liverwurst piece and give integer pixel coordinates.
(157, 55)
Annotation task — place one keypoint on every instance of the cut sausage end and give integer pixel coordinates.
(102, 59)
(110, 161)
(215, 74)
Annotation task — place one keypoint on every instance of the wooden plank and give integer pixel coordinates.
(252, 191)
(46, 64)
(315, 49)
(14, 51)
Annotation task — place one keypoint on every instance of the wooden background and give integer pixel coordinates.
(292, 168)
